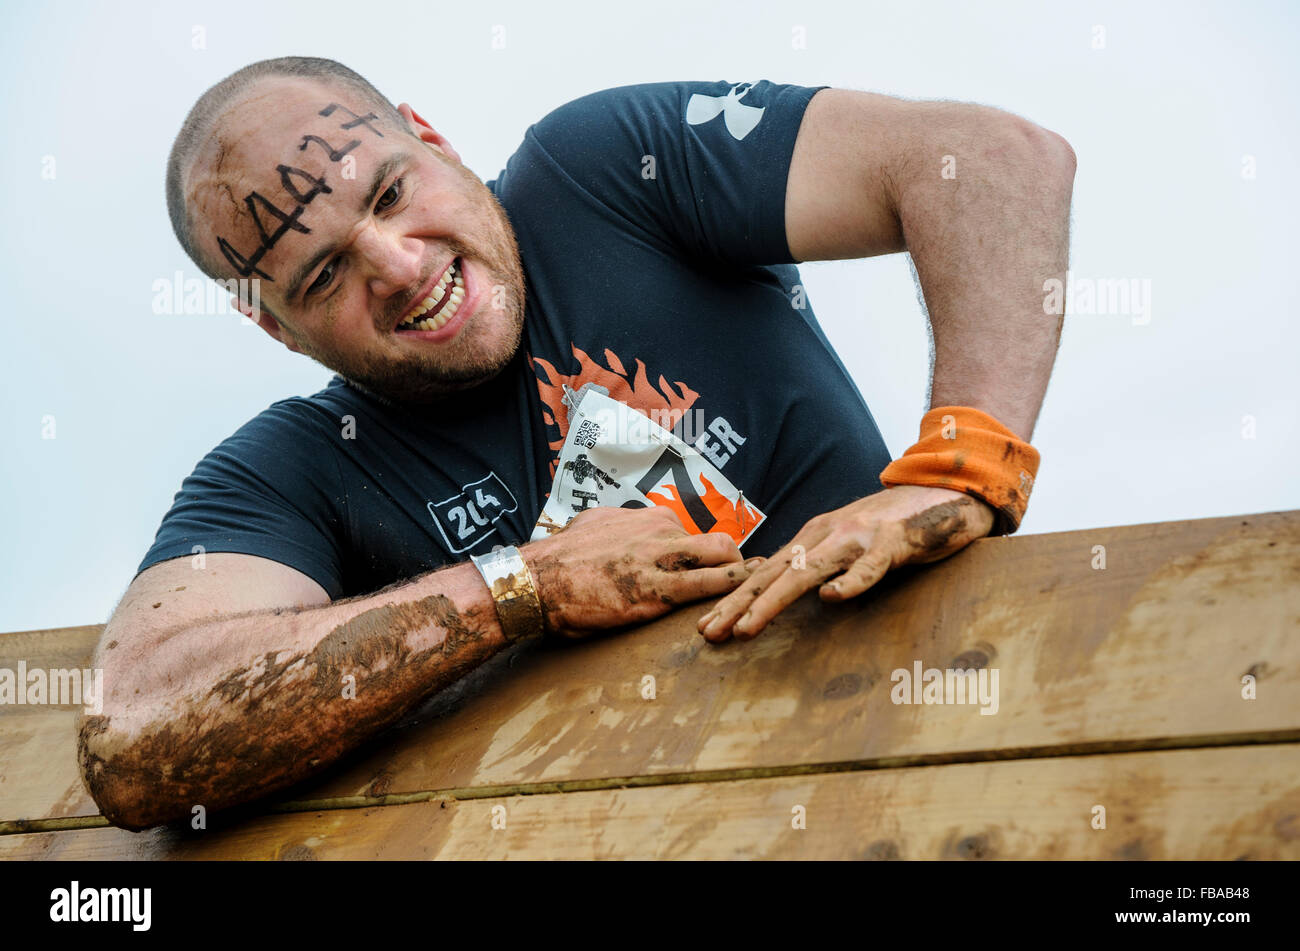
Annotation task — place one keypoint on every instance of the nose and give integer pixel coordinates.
(392, 259)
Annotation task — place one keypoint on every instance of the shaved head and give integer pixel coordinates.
(211, 132)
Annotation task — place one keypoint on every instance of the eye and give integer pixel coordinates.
(323, 279)
(389, 198)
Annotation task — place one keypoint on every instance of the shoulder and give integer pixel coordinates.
(700, 166)
(292, 431)
(608, 107)
(624, 112)
(674, 123)
(321, 406)
(610, 119)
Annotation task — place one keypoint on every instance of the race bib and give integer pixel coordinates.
(616, 456)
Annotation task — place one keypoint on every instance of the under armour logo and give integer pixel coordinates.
(739, 118)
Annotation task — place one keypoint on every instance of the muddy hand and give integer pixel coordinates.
(613, 566)
(846, 551)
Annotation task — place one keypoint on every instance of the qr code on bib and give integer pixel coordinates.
(588, 433)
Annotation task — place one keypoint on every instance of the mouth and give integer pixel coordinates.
(439, 305)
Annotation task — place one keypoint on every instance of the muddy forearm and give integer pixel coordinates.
(233, 709)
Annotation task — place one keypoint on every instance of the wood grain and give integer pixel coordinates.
(1149, 651)
(1186, 804)
(54, 647)
(38, 763)
(1151, 648)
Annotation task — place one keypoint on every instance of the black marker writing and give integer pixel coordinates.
(356, 119)
(333, 153)
(287, 222)
(318, 186)
(247, 267)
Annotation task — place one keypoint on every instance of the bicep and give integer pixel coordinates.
(175, 594)
(839, 199)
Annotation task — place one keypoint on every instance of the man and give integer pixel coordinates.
(641, 240)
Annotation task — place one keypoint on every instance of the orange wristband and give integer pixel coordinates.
(969, 451)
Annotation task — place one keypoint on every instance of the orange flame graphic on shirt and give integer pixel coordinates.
(639, 393)
(736, 519)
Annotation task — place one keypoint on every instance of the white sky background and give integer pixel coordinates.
(1142, 423)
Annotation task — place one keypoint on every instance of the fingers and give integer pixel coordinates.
(716, 626)
(711, 549)
(860, 576)
(788, 586)
(786, 578)
(708, 582)
(847, 551)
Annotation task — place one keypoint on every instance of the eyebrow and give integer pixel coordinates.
(385, 169)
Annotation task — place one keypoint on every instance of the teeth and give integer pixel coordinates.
(452, 279)
(448, 276)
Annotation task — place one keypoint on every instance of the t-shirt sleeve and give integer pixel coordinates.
(702, 165)
(269, 490)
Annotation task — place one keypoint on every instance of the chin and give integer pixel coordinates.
(418, 372)
(399, 381)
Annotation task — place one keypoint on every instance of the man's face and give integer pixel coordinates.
(353, 231)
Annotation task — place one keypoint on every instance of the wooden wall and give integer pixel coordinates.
(1119, 688)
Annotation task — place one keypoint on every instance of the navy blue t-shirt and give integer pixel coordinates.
(651, 225)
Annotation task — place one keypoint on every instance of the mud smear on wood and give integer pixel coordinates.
(977, 847)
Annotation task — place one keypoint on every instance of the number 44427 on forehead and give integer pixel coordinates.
(258, 203)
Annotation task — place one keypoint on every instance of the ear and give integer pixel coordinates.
(425, 132)
(267, 323)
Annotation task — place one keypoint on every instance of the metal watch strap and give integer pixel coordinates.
(519, 609)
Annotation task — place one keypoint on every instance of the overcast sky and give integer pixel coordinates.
(1182, 115)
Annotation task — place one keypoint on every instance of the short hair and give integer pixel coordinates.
(208, 111)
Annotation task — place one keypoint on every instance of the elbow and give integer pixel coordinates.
(111, 768)
(1027, 150)
(1049, 153)
(120, 765)
(1060, 152)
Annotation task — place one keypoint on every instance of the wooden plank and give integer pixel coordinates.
(1240, 802)
(1149, 651)
(59, 647)
(39, 776)
(1152, 647)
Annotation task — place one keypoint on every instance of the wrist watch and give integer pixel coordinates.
(518, 606)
